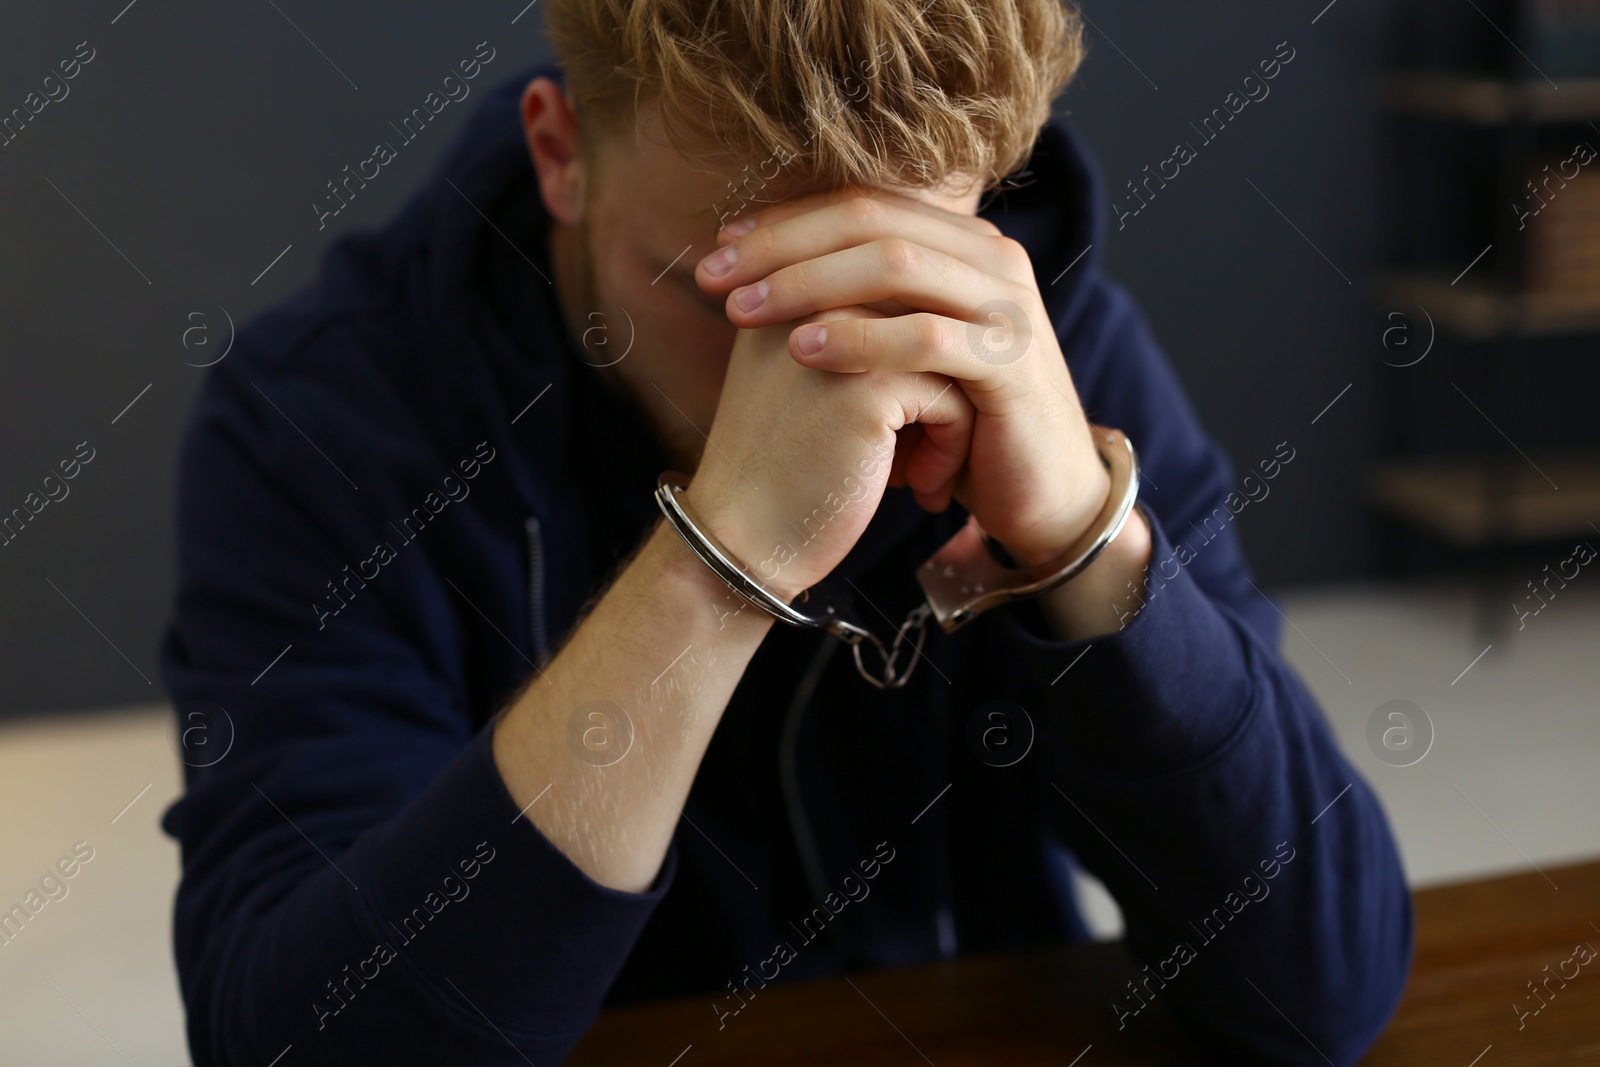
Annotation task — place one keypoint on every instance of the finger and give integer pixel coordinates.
(906, 439)
(851, 311)
(938, 499)
(933, 424)
(947, 419)
(885, 270)
(981, 355)
(893, 202)
(856, 221)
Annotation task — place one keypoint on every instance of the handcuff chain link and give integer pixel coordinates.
(916, 620)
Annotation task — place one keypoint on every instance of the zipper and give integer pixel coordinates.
(536, 584)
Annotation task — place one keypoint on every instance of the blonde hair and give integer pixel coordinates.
(885, 93)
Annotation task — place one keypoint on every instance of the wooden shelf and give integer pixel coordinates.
(1482, 312)
(1491, 101)
(1474, 504)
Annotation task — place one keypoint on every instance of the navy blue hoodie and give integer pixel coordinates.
(379, 537)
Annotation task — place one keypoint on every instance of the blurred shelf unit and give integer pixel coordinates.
(1478, 504)
(1484, 312)
(1495, 150)
(1492, 101)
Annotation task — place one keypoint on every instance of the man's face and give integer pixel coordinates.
(648, 217)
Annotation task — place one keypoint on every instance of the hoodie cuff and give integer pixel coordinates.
(1159, 695)
(465, 890)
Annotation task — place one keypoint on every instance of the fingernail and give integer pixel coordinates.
(740, 227)
(812, 338)
(751, 296)
(721, 262)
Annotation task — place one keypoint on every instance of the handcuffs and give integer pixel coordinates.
(970, 574)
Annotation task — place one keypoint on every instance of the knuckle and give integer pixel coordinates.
(795, 280)
(1011, 254)
(884, 405)
(1025, 297)
(900, 257)
(856, 337)
(927, 332)
(859, 211)
(757, 246)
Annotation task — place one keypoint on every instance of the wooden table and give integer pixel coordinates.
(1478, 944)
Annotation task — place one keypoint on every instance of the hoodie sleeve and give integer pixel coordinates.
(1193, 773)
(357, 882)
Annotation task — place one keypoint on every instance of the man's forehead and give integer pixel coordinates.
(673, 194)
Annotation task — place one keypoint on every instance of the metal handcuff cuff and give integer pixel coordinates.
(969, 575)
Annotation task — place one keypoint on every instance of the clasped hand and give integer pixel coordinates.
(884, 283)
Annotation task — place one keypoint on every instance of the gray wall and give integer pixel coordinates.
(198, 136)
(1263, 330)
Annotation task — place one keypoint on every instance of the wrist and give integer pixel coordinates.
(1086, 606)
(689, 581)
(1056, 538)
(754, 556)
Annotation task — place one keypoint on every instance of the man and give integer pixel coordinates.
(506, 750)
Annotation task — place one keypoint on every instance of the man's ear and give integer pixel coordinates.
(551, 127)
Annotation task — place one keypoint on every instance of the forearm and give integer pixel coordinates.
(1268, 863)
(1183, 753)
(665, 646)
